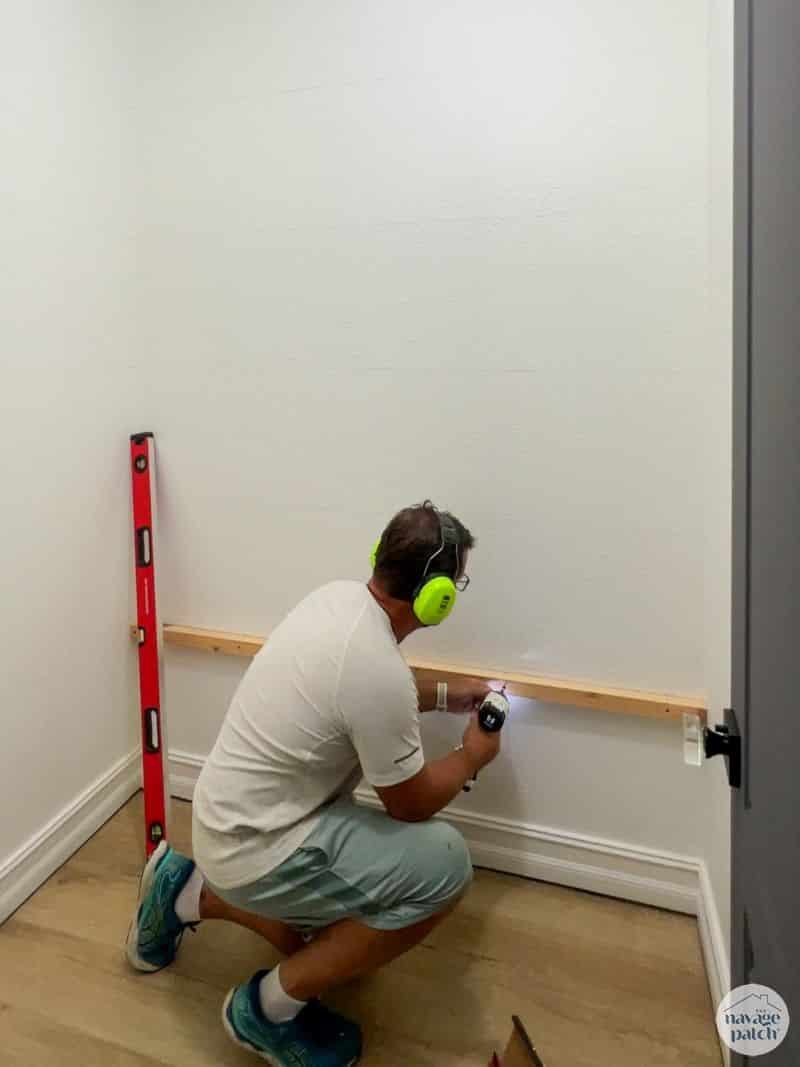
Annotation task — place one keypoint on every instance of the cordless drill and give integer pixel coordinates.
(491, 716)
(493, 711)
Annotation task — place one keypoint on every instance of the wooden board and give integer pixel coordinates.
(577, 694)
(213, 640)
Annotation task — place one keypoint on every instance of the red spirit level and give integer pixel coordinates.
(154, 777)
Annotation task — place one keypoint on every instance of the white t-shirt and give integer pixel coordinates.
(327, 699)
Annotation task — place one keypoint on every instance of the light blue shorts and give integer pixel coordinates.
(359, 863)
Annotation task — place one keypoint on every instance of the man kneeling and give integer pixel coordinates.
(279, 845)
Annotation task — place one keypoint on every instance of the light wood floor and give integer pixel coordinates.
(598, 982)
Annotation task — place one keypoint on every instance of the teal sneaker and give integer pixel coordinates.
(317, 1037)
(156, 931)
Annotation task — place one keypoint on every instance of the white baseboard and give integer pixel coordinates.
(714, 946)
(662, 879)
(184, 769)
(24, 870)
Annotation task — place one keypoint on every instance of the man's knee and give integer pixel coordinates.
(452, 867)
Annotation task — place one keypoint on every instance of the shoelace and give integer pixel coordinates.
(186, 926)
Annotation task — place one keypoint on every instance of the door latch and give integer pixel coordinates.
(724, 740)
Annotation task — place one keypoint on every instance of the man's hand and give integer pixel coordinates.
(466, 694)
(480, 747)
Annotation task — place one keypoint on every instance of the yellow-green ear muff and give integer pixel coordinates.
(373, 556)
(435, 596)
(435, 599)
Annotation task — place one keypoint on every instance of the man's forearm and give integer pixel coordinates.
(445, 778)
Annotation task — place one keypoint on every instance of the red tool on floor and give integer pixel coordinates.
(154, 749)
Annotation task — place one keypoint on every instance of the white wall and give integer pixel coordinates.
(389, 252)
(399, 253)
(66, 405)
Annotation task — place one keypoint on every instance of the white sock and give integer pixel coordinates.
(276, 1003)
(187, 906)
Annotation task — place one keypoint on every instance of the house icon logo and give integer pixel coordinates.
(753, 1020)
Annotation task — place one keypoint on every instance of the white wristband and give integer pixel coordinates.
(441, 696)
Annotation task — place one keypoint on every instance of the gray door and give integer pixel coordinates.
(766, 592)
